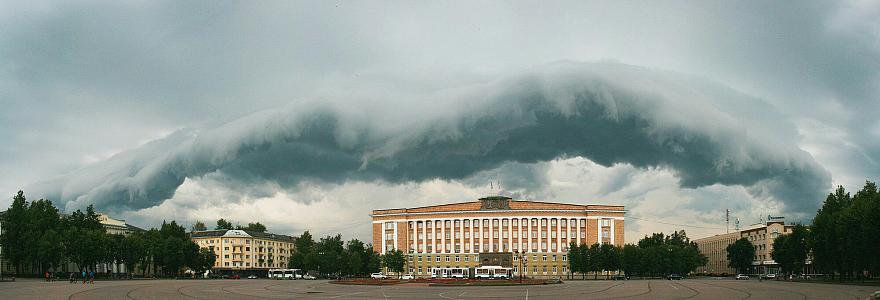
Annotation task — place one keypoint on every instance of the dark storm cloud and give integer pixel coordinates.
(608, 113)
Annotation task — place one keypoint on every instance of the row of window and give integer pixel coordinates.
(495, 234)
(544, 270)
(495, 223)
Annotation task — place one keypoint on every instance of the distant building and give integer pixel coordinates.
(760, 235)
(495, 231)
(246, 251)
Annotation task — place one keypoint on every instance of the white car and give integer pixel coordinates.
(770, 276)
(308, 277)
(742, 277)
(378, 276)
(252, 277)
(407, 277)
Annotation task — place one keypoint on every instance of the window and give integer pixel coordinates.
(543, 234)
(420, 259)
(466, 258)
(553, 222)
(438, 258)
(605, 234)
(495, 234)
(247, 248)
(457, 259)
(543, 257)
(543, 222)
(506, 235)
(544, 246)
(389, 225)
(606, 222)
(553, 234)
(554, 270)
(534, 258)
(553, 245)
(554, 259)
(534, 234)
(495, 223)
(564, 257)
(420, 270)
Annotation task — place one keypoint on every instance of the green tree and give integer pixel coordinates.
(258, 227)
(394, 260)
(740, 255)
(198, 226)
(14, 228)
(575, 259)
(631, 260)
(223, 224)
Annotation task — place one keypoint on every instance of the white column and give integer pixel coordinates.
(480, 230)
(471, 229)
(461, 237)
(578, 230)
(443, 239)
(568, 231)
(549, 235)
(424, 237)
(434, 237)
(612, 232)
(519, 231)
(491, 239)
(599, 231)
(529, 234)
(558, 235)
(509, 234)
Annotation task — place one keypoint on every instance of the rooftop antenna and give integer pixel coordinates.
(727, 220)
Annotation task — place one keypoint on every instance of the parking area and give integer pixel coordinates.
(300, 289)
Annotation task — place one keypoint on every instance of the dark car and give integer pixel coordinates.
(673, 277)
(236, 276)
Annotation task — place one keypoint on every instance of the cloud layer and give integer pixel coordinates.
(609, 113)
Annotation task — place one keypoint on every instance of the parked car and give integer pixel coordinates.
(742, 277)
(378, 276)
(308, 277)
(236, 276)
(619, 277)
(252, 277)
(770, 276)
(673, 277)
(408, 277)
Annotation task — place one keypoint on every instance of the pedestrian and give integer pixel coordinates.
(92, 277)
(47, 276)
(70, 277)
(84, 276)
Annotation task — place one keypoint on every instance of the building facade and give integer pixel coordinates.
(531, 234)
(760, 235)
(245, 251)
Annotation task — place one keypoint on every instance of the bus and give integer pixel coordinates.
(450, 273)
(285, 274)
(492, 272)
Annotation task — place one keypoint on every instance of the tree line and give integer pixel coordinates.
(654, 255)
(37, 238)
(843, 239)
(331, 257)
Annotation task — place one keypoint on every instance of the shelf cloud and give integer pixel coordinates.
(702, 131)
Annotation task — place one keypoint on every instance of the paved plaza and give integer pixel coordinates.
(271, 289)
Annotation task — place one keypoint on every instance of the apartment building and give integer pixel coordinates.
(246, 251)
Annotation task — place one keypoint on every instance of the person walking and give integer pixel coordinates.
(70, 277)
(92, 277)
(84, 276)
(47, 276)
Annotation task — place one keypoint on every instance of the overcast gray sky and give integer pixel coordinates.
(307, 115)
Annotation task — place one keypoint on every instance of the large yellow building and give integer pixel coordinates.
(760, 235)
(495, 231)
(242, 250)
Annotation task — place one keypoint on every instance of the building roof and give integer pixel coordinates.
(494, 203)
(242, 233)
